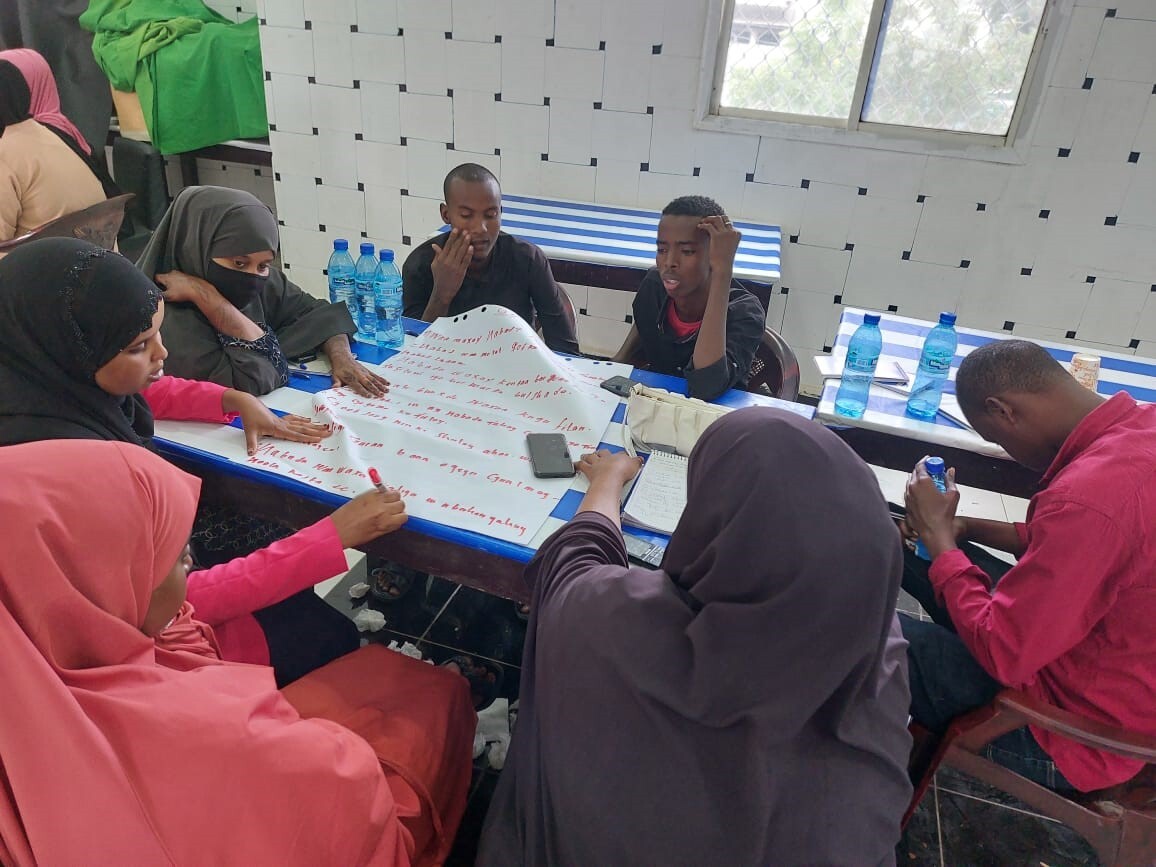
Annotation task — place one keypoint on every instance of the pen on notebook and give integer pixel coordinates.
(375, 477)
(307, 374)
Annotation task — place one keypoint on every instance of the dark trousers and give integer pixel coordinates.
(946, 680)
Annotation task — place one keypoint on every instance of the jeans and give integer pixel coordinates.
(946, 680)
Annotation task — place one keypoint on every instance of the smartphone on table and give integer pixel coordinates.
(619, 385)
(550, 456)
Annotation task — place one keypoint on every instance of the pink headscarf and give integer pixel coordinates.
(45, 97)
(114, 747)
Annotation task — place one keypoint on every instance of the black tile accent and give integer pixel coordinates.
(805, 183)
(862, 191)
(980, 206)
(838, 299)
(750, 177)
(280, 222)
(656, 49)
(356, 84)
(965, 263)
(404, 141)
(318, 181)
(697, 171)
(826, 348)
(848, 246)
(545, 157)
(273, 127)
(1064, 152)
(401, 88)
(1008, 325)
(1110, 221)
(365, 234)
(597, 106)
(405, 192)
(1045, 213)
(1152, 288)
(497, 152)
(602, 45)
(644, 167)
(1089, 279)
(287, 267)
(1110, 13)
(497, 97)
(262, 22)
(1087, 85)
(257, 172)
(316, 131)
(786, 289)
(594, 161)
(892, 308)
(545, 100)
(449, 35)
(1154, 90)
(360, 187)
(549, 43)
(358, 137)
(308, 25)
(906, 255)
(276, 176)
(449, 146)
(629, 320)
(582, 311)
(1133, 343)
(650, 109)
(405, 239)
(920, 199)
(1025, 272)
(320, 227)
(497, 39)
(1071, 335)
(449, 91)
(1134, 157)
(268, 76)
(794, 239)
(352, 28)
(401, 31)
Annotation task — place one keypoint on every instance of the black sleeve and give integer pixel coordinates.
(416, 282)
(745, 323)
(546, 296)
(301, 321)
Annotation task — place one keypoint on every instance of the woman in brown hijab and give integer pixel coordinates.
(746, 704)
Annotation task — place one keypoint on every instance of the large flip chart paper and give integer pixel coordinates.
(451, 433)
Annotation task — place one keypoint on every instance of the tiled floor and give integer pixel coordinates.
(960, 822)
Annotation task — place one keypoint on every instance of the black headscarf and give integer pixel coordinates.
(67, 308)
(15, 97)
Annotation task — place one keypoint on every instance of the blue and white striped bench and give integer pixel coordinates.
(622, 237)
(903, 341)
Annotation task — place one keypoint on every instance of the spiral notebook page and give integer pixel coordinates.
(659, 494)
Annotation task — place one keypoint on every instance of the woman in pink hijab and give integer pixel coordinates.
(118, 748)
(45, 97)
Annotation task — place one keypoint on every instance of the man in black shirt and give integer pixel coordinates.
(690, 318)
(477, 263)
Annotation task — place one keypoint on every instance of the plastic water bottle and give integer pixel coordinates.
(363, 276)
(859, 369)
(934, 367)
(388, 304)
(938, 472)
(342, 289)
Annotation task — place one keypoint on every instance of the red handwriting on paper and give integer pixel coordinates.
(520, 486)
(442, 435)
(463, 416)
(455, 470)
(366, 444)
(567, 426)
(402, 453)
(542, 377)
(536, 419)
(522, 347)
(484, 405)
(514, 383)
(489, 519)
(496, 453)
(504, 425)
(495, 333)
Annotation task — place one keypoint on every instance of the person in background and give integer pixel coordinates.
(690, 318)
(234, 318)
(45, 108)
(1071, 622)
(121, 715)
(81, 357)
(41, 178)
(477, 263)
(744, 704)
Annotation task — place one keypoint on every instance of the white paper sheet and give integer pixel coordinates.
(451, 433)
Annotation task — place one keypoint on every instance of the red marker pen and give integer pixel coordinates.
(375, 477)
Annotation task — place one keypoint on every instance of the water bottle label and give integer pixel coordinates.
(936, 363)
(861, 362)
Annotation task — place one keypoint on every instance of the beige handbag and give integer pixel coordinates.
(659, 419)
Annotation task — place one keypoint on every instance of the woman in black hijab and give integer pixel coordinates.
(746, 704)
(235, 318)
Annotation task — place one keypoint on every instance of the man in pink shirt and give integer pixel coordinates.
(1072, 621)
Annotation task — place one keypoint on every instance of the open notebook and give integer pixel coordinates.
(659, 494)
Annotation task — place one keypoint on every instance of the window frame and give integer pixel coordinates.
(1010, 148)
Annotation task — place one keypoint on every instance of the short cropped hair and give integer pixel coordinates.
(1003, 367)
(471, 173)
(693, 206)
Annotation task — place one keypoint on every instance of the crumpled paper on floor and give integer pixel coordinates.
(494, 732)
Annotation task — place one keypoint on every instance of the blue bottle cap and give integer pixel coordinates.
(934, 466)
(385, 255)
(947, 318)
(366, 248)
(870, 318)
(340, 244)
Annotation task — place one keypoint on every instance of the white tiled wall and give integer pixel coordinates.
(374, 100)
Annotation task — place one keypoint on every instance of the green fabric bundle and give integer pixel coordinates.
(197, 74)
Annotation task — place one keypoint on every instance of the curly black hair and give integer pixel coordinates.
(693, 206)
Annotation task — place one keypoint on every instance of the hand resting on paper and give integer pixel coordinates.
(368, 516)
(348, 371)
(608, 473)
(260, 421)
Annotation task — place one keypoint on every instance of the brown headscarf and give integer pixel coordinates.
(745, 705)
